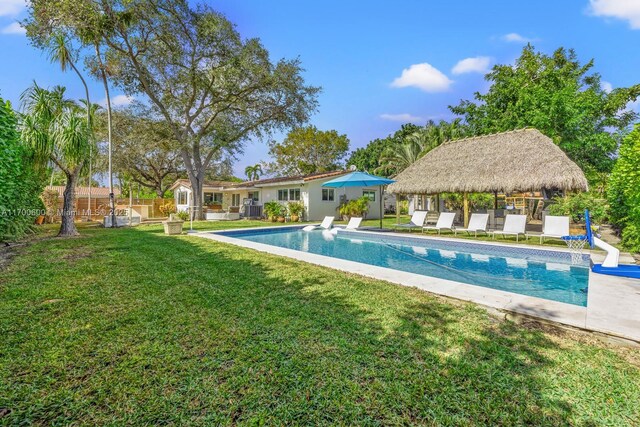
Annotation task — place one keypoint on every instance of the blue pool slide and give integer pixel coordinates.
(610, 265)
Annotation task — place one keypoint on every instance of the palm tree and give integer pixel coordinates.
(58, 131)
(253, 172)
(398, 157)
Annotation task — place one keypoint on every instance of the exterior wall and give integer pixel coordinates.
(227, 197)
(182, 207)
(318, 209)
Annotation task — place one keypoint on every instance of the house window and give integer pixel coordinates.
(254, 195)
(235, 200)
(182, 197)
(371, 195)
(328, 195)
(283, 195)
(212, 198)
(294, 194)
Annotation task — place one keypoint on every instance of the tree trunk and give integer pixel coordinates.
(68, 226)
(198, 212)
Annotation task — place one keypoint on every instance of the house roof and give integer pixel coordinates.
(519, 160)
(214, 184)
(293, 179)
(84, 191)
(297, 179)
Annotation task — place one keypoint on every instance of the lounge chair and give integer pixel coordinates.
(354, 223)
(555, 227)
(417, 221)
(326, 224)
(445, 222)
(478, 222)
(514, 225)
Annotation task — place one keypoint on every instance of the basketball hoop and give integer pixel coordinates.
(576, 245)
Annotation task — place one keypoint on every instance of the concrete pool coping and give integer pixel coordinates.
(612, 313)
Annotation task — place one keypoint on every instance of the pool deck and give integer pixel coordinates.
(613, 303)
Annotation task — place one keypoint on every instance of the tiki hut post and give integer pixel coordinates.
(465, 208)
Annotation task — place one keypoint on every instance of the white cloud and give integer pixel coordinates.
(11, 7)
(478, 64)
(606, 86)
(634, 106)
(13, 28)
(118, 101)
(516, 38)
(403, 118)
(423, 76)
(626, 10)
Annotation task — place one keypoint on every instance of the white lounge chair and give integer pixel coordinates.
(478, 222)
(445, 222)
(514, 225)
(417, 221)
(555, 227)
(354, 223)
(326, 224)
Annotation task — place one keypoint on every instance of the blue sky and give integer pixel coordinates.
(384, 63)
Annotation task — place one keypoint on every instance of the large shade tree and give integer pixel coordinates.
(57, 131)
(214, 89)
(561, 97)
(144, 148)
(308, 150)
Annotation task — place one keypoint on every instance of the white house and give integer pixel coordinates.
(248, 197)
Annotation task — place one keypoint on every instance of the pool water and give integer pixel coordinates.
(539, 273)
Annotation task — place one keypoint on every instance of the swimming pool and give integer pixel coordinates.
(539, 273)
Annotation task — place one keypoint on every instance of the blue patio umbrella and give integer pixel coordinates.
(360, 179)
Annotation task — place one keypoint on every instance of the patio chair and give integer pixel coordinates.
(326, 224)
(417, 221)
(445, 222)
(478, 222)
(514, 225)
(354, 223)
(555, 227)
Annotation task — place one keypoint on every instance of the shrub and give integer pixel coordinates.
(274, 209)
(455, 201)
(183, 215)
(296, 208)
(623, 191)
(356, 207)
(574, 205)
(21, 184)
(167, 208)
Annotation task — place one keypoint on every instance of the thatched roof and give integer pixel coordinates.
(519, 160)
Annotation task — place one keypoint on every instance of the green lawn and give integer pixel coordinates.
(130, 326)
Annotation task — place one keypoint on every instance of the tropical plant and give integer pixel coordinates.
(273, 209)
(355, 207)
(21, 182)
(296, 209)
(574, 205)
(57, 131)
(477, 201)
(253, 172)
(623, 190)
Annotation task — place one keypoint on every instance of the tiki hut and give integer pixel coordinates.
(515, 161)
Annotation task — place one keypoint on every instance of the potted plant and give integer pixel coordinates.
(282, 212)
(358, 207)
(272, 210)
(296, 210)
(174, 224)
